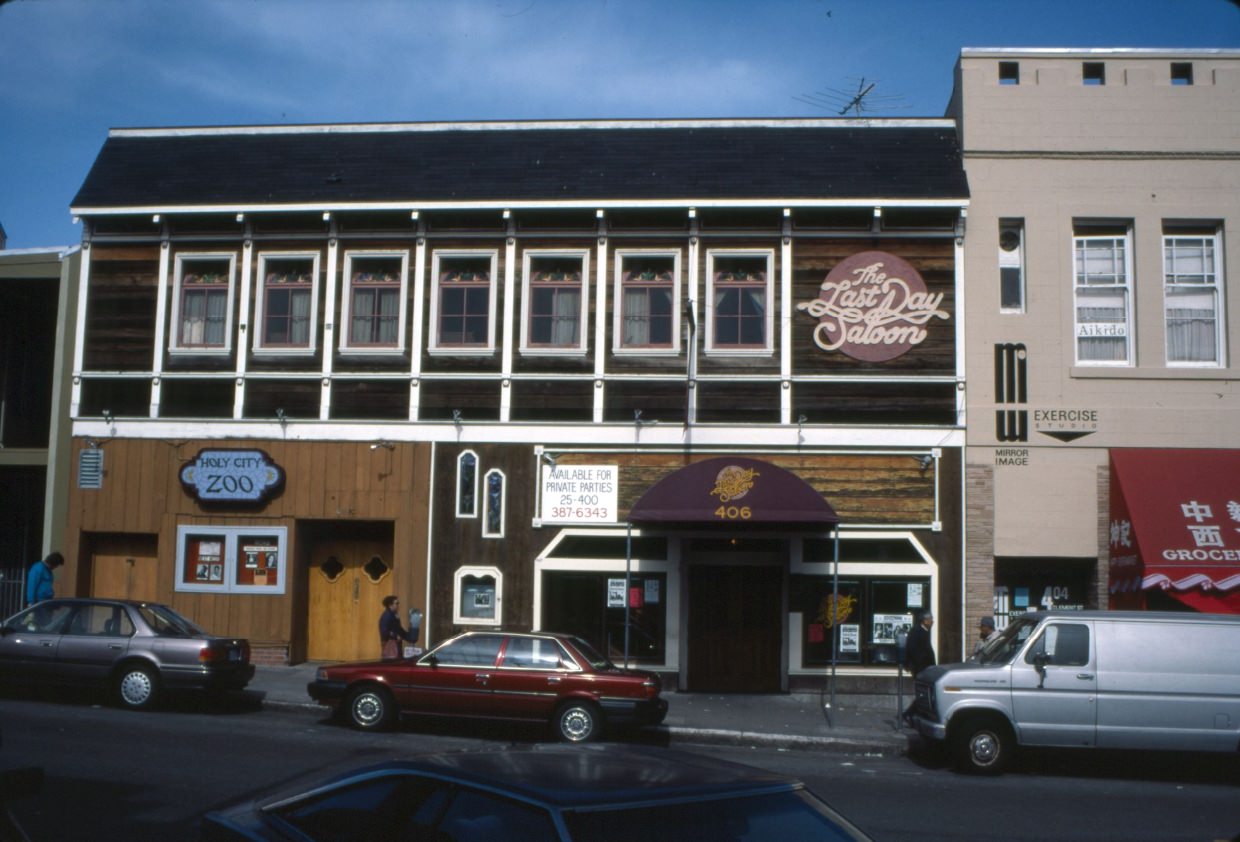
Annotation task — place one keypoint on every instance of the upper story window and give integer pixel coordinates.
(467, 484)
(494, 504)
(647, 305)
(463, 301)
(1093, 73)
(287, 301)
(374, 301)
(556, 297)
(1181, 73)
(203, 302)
(1192, 297)
(739, 292)
(1011, 266)
(1009, 73)
(1103, 296)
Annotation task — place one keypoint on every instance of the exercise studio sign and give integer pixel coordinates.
(874, 307)
(232, 476)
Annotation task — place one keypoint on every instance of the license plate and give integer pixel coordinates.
(234, 654)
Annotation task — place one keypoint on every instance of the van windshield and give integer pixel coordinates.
(1003, 648)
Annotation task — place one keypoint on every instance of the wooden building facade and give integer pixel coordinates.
(318, 365)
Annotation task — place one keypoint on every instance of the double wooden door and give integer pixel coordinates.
(735, 628)
(124, 567)
(349, 576)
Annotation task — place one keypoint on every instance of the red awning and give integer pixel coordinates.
(733, 491)
(1175, 525)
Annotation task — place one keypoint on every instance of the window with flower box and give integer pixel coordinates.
(556, 297)
(463, 298)
(203, 302)
(647, 304)
(740, 319)
(374, 303)
(287, 301)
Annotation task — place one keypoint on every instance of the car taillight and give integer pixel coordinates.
(212, 654)
(650, 687)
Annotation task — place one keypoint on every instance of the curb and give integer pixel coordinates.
(855, 743)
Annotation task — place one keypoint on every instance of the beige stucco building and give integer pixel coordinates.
(1105, 208)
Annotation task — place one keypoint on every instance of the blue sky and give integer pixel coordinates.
(72, 69)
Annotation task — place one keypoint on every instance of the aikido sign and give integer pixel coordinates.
(874, 307)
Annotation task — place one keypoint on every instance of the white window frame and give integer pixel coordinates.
(346, 304)
(232, 536)
(527, 259)
(1014, 259)
(486, 502)
(459, 619)
(1125, 289)
(768, 345)
(1216, 286)
(617, 342)
(260, 305)
(436, 346)
(175, 346)
(460, 459)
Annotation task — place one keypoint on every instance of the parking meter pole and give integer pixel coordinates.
(901, 645)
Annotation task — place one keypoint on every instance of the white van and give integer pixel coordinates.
(1104, 679)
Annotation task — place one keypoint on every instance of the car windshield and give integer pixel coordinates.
(168, 623)
(1003, 648)
(756, 818)
(592, 655)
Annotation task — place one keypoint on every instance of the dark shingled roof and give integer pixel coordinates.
(531, 163)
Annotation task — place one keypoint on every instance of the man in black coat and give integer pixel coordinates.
(919, 653)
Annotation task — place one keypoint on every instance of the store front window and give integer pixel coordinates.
(590, 604)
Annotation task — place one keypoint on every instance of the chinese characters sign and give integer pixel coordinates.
(874, 307)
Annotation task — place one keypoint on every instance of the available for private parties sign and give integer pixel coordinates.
(580, 493)
(233, 476)
(873, 307)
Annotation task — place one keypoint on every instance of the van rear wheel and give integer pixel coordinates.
(982, 746)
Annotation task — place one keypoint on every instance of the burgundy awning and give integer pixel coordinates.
(734, 491)
(1175, 525)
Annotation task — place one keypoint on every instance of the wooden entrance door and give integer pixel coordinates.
(349, 577)
(735, 628)
(124, 567)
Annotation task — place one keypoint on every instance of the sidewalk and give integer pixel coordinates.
(859, 724)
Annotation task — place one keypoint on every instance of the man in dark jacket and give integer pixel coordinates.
(919, 652)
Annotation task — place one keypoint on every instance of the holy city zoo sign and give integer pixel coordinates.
(874, 307)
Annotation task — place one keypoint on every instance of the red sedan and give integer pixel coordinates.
(538, 676)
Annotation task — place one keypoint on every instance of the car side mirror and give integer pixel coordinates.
(5, 631)
(1040, 660)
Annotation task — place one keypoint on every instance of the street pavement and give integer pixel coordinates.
(856, 723)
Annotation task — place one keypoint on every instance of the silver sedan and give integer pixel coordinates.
(136, 649)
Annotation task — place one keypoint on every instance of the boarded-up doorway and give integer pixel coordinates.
(124, 567)
(735, 628)
(350, 573)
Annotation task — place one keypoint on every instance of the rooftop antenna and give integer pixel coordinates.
(859, 101)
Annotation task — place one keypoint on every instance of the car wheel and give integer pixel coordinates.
(982, 746)
(137, 688)
(371, 708)
(577, 722)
